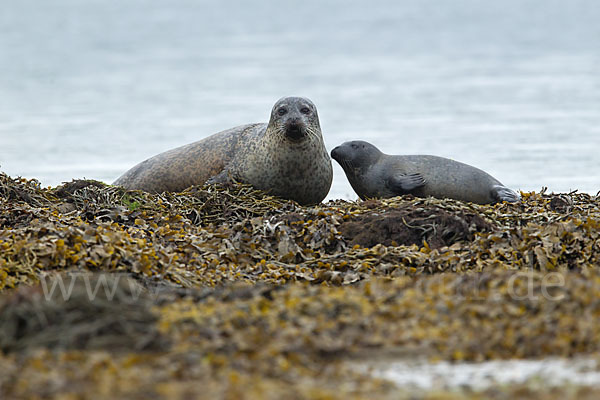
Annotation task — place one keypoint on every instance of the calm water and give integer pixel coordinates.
(90, 88)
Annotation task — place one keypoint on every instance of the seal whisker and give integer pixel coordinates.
(314, 133)
(346, 164)
(280, 132)
(310, 132)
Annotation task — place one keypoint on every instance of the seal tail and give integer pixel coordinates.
(502, 193)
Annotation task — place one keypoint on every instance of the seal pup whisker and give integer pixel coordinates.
(346, 164)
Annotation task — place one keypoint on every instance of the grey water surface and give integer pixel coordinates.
(88, 88)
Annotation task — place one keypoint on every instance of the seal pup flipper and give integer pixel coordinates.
(502, 193)
(404, 183)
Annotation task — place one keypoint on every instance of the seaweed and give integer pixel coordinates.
(90, 311)
(248, 295)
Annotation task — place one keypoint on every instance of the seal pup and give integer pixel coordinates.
(375, 174)
(286, 158)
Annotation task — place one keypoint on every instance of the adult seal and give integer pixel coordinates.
(375, 174)
(286, 158)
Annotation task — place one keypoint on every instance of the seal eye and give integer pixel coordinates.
(305, 110)
(282, 111)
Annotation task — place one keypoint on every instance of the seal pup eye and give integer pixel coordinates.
(282, 111)
(305, 110)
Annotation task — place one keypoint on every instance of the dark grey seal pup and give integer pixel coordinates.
(286, 158)
(375, 174)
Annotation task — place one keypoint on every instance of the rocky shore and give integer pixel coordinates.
(230, 293)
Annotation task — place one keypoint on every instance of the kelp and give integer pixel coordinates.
(82, 316)
(475, 317)
(248, 295)
(210, 236)
(301, 340)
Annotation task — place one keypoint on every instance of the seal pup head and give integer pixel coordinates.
(295, 119)
(356, 156)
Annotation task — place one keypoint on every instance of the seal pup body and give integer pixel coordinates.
(375, 174)
(286, 158)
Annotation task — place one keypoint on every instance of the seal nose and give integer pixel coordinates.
(294, 130)
(335, 153)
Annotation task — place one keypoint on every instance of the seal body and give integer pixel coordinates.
(375, 174)
(286, 158)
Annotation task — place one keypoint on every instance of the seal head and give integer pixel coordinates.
(295, 117)
(289, 158)
(356, 158)
(373, 173)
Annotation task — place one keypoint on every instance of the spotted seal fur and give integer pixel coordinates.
(286, 158)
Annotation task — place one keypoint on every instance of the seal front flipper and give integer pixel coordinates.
(404, 183)
(502, 193)
(223, 178)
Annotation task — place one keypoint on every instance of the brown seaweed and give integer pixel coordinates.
(261, 298)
